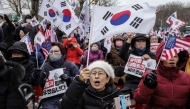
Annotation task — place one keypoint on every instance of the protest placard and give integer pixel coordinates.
(54, 85)
(137, 66)
(153, 47)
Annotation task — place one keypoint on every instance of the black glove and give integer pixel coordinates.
(66, 78)
(151, 80)
(37, 72)
(6, 17)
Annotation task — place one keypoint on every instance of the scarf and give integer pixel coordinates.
(140, 52)
(187, 68)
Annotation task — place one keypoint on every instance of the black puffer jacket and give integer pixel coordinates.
(133, 81)
(80, 95)
(28, 65)
(10, 79)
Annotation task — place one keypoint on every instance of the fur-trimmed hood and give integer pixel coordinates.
(13, 73)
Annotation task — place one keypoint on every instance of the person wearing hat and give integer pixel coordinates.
(19, 53)
(11, 75)
(117, 63)
(167, 87)
(92, 89)
(73, 51)
(8, 28)
(140, 46)
(64, 37)
(95, 54)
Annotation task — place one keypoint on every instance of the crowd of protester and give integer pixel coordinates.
(92, 86)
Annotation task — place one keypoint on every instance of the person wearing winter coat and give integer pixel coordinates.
(56, 60)
(117, 63)
(73, 51)
(3, 45)
(140, 46)
(167, 87)
(97, 94)
(11, 76)
(8, 29)
(95, 54)
(19, 53)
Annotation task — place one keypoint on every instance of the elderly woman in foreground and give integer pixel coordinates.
(96, 94)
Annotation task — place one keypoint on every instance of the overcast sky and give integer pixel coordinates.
(151, 2)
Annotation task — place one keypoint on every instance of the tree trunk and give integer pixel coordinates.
(34, 8)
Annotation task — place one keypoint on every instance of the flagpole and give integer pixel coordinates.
(91, 29)
(37, 59)
(43, 63)
(161, 54)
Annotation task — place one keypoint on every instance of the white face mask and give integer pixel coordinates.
(55, 57)
(94, 49)
(140, 46)
(28, 20)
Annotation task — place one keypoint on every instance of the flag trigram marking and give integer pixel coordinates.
(137, 7)
(63, 4)
(107, 15)
(136, 22)
(104, 30)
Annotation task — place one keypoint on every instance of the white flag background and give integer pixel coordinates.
(107, 21)
(84, 18)
(68, 22)
(175, 24)
(39, 38)
(108, 43)
(50, 13)
(34, 21)
(173, 15)
(26, 39)
(44, 23)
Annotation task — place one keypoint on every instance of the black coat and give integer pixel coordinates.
(28, 65)
(81, 95)
(10, 80)
(133, 81)
(3, 45)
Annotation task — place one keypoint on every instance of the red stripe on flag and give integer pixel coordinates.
(45, 52)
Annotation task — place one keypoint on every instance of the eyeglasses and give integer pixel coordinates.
(55, 51)
(100, 73)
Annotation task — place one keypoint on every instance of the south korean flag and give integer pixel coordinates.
(107, 21)
(50, 13)
(69, 20)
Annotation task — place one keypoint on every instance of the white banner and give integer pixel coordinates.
(153, 47)
(136, 66)
(107, 21)
(54, 85)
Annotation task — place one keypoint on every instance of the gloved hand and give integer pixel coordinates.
(66, 78)
(6, 17)
(37, 72)
(151, 80)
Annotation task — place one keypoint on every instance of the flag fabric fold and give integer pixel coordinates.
(49, 12)
(108, 21)
(26, 39)
(68, 23)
